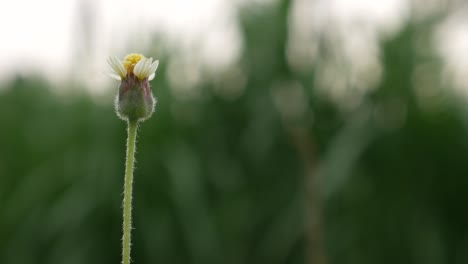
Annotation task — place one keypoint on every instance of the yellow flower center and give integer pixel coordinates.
(131, 60)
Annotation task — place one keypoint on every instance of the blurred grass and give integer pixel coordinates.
(221, 180)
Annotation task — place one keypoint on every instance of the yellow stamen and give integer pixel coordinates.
(131, 60)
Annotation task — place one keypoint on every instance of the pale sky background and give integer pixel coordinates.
(39, 36)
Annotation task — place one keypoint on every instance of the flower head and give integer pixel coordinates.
(135, 101)
(134, 64)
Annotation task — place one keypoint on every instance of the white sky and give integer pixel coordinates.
(34, 33)
(38, 36)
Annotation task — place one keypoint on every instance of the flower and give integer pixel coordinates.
(133, 64)
(135, 101)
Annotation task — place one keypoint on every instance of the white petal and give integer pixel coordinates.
(113, 71)
(123, 71)
(110, 60)
(154, 67)
(147, 65)
(151, 77)
(120, 68)
(137, 70)
(112, 65)
(115, 76)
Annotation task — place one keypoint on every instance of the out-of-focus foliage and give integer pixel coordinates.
(221, 176)
(405, 191)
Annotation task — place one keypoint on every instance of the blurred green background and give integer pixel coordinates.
(257, 164)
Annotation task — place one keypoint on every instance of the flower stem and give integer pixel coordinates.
(128, 189)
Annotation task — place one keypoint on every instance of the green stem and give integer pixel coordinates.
(128, 189)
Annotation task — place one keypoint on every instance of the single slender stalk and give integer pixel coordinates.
(128, 189)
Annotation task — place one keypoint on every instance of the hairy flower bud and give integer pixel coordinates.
(135, 101)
